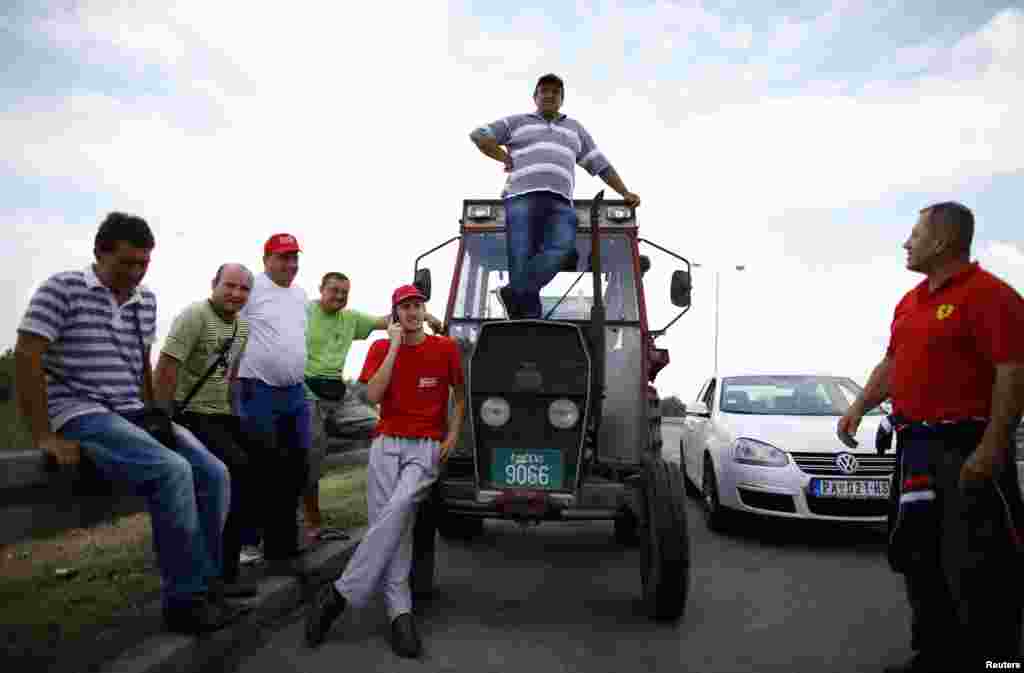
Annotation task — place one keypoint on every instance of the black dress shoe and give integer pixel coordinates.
(200, 615)
(235, 589)
(405, 641)
(923, 664)
(327, 605)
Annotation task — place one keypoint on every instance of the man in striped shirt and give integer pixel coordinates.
(84, 376)
(543, 148)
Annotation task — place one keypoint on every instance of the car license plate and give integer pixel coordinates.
(850, 488)
(527, 468)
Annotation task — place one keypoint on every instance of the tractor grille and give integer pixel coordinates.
(824, 464)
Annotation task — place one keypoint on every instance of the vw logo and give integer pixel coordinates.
(846, 463)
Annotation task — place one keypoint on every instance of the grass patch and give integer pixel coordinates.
(15, 436)
(343, 497)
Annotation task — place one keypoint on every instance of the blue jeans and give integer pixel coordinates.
(277, 420)
(541, 234)
(187, 493)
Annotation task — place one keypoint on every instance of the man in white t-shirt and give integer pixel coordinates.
(271, 397)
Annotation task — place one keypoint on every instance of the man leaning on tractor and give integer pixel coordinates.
(542, 150)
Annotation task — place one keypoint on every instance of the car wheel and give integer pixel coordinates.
(715, 516)
(665, 574)
(691, 488)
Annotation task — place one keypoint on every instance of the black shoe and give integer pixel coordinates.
(236, 589)
(405, 641)
(199, 615)
(508, 302)
(327, 605)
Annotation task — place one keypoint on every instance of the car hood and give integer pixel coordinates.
(799, 433)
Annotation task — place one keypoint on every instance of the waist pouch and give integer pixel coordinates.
(326, 388)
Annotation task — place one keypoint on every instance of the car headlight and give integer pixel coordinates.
(753, 452)
(563, 414)
(495, 412)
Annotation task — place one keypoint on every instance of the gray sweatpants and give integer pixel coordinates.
(401, 472)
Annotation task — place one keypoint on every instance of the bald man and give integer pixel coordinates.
(954, 370)
(192, 380)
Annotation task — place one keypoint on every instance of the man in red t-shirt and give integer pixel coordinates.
(409, 375)
(954, 370)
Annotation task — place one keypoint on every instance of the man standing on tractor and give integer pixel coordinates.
(542, 148)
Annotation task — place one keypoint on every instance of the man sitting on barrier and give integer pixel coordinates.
(83, 371)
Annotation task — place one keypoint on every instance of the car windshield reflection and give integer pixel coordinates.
(790, 395)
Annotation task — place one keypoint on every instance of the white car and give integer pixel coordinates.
(767, 445)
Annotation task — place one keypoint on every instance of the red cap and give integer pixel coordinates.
(406, 292)
(281, 243)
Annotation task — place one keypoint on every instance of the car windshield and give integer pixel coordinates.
(790, 395)
(485, 270)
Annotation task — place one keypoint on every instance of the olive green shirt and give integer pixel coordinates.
(195, 338)
(329, 337)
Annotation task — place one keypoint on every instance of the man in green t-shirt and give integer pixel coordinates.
(330, 330)
(204, 333)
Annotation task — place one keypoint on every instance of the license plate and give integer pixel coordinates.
(850, 488)
(527, 468)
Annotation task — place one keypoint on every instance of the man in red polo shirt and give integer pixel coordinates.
(409, 375)
(954, 370)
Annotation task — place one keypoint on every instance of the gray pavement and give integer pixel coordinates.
(564, 597)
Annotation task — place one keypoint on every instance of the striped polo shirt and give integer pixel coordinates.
(94, 344)
(545, 153)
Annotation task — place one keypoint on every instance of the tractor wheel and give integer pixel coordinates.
(457, 527)
(421, 577)
(665, 576)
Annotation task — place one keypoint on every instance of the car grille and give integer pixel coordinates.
(868, 464)
(847, 507)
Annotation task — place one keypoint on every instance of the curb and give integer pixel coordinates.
(279, 596)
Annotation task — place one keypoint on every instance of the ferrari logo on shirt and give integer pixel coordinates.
(944, 311)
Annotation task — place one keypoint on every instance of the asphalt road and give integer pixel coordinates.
(775, 596)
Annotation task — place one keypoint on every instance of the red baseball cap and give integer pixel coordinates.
(279, 243)
(406, 292)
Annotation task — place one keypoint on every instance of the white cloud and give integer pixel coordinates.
(350, 129)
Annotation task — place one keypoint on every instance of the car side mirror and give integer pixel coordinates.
(680, 291)
(697, 408)
(422, 282)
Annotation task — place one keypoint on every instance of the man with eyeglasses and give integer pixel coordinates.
(192, 381)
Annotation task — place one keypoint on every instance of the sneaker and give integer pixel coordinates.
(405, 641)
(327, 605)
(250, 555)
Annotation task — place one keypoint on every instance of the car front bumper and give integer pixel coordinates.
(785, 492)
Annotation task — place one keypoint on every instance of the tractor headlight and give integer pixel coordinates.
(563, 414)
(753, 452)
(495, 412)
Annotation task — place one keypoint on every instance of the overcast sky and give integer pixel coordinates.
(799, 142)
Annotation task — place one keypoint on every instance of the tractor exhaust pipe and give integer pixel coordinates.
(597, 319)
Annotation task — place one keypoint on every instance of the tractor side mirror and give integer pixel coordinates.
(645, 264)
(422, 282)
(698, 409)
(680, 291)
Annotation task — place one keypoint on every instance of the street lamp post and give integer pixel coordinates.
(738, 267)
